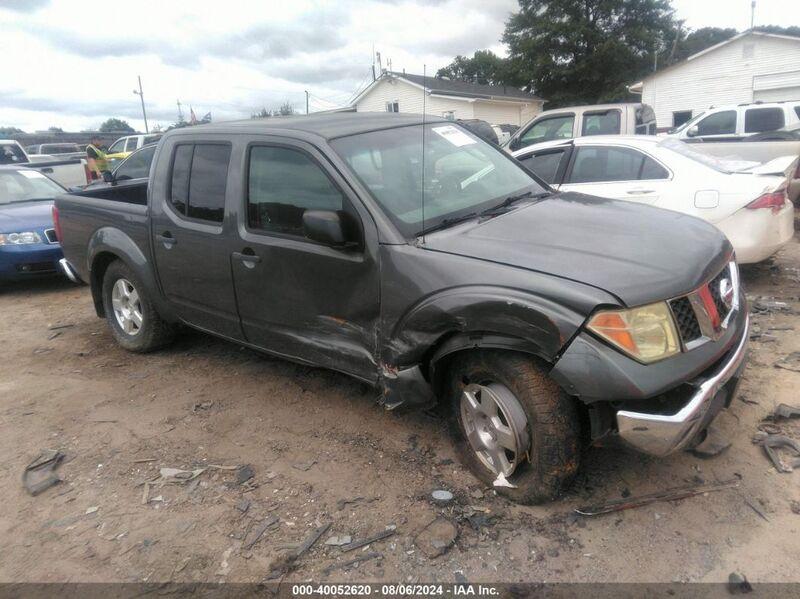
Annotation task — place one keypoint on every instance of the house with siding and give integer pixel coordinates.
(749, 67)
(402, 92)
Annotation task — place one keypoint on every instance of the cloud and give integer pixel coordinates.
(23, 5)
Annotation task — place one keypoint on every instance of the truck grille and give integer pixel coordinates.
(685, 317)
(703, 314)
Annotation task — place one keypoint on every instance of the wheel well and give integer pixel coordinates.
(98, 271)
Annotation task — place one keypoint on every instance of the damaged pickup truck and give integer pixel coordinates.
(420, 259)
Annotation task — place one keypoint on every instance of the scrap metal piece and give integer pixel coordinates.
(259, 532)
(40, 474)
(785, 411)
(376, 537)
(361, 558)
(618, 505)
(771, 442)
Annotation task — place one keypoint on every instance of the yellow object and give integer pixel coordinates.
(646, 333)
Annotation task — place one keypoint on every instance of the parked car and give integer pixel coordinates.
(28, 242)
(502, 135)
(122, 147)
(480, 128)
(125, 180)
(579, 121)
(767, 121)
(62, 150)
(747, 201)
(526, 312)
(69, 172)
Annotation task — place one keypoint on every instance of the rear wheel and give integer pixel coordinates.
(513, 426)
(131, 316)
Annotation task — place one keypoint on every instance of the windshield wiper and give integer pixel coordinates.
(449, 222)
(494, 210)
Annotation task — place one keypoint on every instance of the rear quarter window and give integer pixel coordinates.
(544, 164)
(758, 120)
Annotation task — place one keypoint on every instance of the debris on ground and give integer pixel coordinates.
(259, 531)
(765, 306)
(795, 507)
(339, 540)
(785, 411)
(202, 406)
(56, 327)
(341, 503)
(618, 505)
(437, 537)
(243, 505)
(286, 563)
(738, 584)
(442, 497)
(770, 442)
(244, 473)
(304, 466)
(789, 362)
(40, 474)
(714, 444)
(369, 540)
(360, 559)
(178, 476)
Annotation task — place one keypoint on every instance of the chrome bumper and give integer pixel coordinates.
(67, 270)
(660, 435)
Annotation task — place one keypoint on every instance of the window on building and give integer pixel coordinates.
(283, 184)
(393, 106)
(719, 123)
(757, 120)
(199, 178)
(679, 117)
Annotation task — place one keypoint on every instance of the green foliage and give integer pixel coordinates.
(6, 131)
(585, 51)
(286, 109)
(116, 126)
(261, 114)
(55, 130)
(696, 41)
(485, 67)
(793, 30)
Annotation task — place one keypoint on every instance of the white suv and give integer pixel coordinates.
(774, 120)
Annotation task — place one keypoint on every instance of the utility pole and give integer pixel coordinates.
(140, 93)
(306, 102)
(752, 14)
(180, 112)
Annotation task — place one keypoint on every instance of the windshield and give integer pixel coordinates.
(463, 173)
(24, 185)
(688, 123)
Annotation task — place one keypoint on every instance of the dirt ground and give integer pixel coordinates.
(323, 452)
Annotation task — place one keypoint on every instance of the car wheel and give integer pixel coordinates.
(131, 316)
(513, 426)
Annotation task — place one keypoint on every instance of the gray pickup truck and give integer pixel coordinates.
(421, 259)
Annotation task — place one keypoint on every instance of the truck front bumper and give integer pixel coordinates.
(662, 434)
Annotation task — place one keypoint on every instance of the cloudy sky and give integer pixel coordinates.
(74, 63)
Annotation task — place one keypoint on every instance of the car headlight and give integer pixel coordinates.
(20, 238)
(646, 333)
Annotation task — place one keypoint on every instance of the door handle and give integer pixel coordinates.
(241, 257)
(640, 191)
(167, 239)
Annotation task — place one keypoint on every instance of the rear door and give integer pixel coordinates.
(616, 172)
(189, 232)
(296, 297)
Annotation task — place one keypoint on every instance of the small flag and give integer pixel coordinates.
(192, 117)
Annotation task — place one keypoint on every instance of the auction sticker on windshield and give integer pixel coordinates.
(454, 135)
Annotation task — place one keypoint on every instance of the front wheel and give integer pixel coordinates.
(131, 316)
(513, 426)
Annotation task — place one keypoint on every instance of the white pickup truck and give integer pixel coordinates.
(69, 172)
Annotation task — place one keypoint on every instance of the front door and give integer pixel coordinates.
(190, 245)
(299, 298)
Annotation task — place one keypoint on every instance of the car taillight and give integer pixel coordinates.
(56, 223)
(774, 200)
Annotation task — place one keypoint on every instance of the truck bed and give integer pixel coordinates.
(89, 217)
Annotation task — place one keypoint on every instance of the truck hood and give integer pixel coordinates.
(638, 253)
(25, 216)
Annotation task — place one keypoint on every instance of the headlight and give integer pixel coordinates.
(646, 333)
(20, 238)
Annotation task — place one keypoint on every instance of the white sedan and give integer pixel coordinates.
(747, 201)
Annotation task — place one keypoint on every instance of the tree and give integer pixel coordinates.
(261, 114)
(585, 51)
(696, 41)
(55, 130)
(116, 126)
(286, 109)
(793, 30)
(485, 67)
(8, 131)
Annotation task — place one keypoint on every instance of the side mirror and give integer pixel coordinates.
(324, 226)
(108, 177)
(513, 145)
(693, 131)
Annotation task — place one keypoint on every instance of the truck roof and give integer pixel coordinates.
(327, 126)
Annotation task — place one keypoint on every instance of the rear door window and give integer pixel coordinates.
(758, 120)
(136, 166)
(545, 164)
(605, 164)
(601, 123)
(117, 146)
(207, 182)
(132, 144)
(719, 123)
(554, 127)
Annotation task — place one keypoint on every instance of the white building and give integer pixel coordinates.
(496, 104)
(749, 67)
